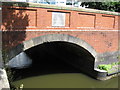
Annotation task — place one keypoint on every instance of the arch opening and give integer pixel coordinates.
(57, 57)
(65, 51)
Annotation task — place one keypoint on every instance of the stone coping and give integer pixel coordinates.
(38, 5)
(99, 70)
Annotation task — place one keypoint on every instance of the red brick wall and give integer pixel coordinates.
(39, 18)
(86, 20)
(101, 41)
(17, 18)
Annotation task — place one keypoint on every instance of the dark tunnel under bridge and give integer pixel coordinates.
(50, 55)
(53, 53)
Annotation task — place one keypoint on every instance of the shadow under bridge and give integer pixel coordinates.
(59, 57)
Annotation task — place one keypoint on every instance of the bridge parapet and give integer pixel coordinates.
(41, 16)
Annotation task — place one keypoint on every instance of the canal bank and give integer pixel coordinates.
(109, 77)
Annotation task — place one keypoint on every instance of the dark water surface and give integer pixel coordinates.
(71, 80)
(59, 75)
(49, 68)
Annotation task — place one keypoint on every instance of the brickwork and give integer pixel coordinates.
(101, 41)
(35, 22)
(41, 18)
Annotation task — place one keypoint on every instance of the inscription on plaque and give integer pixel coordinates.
(58, 19)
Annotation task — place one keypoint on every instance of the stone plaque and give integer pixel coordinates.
(58, 19)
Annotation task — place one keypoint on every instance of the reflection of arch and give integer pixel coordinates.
(50, 38)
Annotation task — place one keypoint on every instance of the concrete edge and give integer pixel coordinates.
(4, 83)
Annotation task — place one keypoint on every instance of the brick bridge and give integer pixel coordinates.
(26, 25)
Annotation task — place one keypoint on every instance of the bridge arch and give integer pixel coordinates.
(51, 38)
(84, 63)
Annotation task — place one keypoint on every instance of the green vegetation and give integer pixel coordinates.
(115, 63)
(108, 67)
(118, 57)
(105, 67)
(107, 5)
(20, 4)
(18, 88)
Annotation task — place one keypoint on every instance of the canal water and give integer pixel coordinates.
(48, 70)
(71, 80)
(58, 75)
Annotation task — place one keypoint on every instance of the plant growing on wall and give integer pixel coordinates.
(108, 67)
(105, 67)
